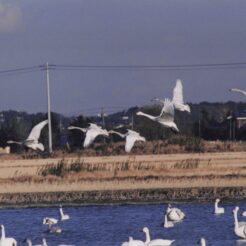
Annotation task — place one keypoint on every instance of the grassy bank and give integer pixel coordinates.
(115, 174)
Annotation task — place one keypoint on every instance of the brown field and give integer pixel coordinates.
(224, 169)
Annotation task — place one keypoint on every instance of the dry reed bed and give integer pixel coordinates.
(124, 172)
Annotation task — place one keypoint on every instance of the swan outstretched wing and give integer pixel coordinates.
(238, 90)
(131, 138)
(130, 141)
(157, 100)
(91, 134)
(178, 92)
(167, 112)
(77, 128)
(36, 131)
(94, 126)
(89, 138)
(117, 133)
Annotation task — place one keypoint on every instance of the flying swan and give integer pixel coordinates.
(91, 133)
(166, 117)
(178, 98)
(238, 90)
(131, 137)
(32, 140)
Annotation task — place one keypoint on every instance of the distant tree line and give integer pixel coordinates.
(208, 121)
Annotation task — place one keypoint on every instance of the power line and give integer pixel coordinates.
(231, 65)
(20, 70)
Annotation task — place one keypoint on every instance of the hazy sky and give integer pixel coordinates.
(119, 32)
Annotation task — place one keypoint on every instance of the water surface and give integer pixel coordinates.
(111, 225)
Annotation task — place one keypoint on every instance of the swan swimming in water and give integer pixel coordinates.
(155, 242)
(6, 241)
(178, 98)
(133, 242)
(63, 216)
(166, 117)
(29, 242)
(49, 221)
(217, 209)
(239, 227)
(167, 223)
(174, 214)
(32, 140)
(91, 133)
(202, 242)
(54, 229)
(131, 137)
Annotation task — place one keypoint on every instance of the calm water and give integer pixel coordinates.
(111, 225)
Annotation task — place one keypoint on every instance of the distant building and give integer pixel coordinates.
(239, 118)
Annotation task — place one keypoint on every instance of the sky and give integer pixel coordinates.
(119, 33)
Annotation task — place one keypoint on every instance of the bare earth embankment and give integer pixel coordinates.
(140, 178)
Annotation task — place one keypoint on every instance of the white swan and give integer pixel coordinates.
(238, 90)
(155, 242)
(131, 137)
(174, 214)
(239, 227)
(91, 133)
(29, 242)
(133, 242)
(202, 242)
(54, 229)
(167, 223)
(63, 216)
(166, 117)
(6, 241)
(178, 99)
(217, 209)
(32, 140)
(49, 221)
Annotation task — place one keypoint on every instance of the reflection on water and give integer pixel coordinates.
(112, 225)
(241, 242)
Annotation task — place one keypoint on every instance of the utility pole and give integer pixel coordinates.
(102, 116)
(199, 128)
(49, 114)
(230, 129)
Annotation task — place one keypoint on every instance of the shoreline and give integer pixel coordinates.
(191, 177)
(122, 197)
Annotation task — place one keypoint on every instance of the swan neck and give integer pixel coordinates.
(165, 220)
(147, 237)
(44, 242)
(29, 242)
(61, 212)
(235, 219)
(3, 232)
(148, 116)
